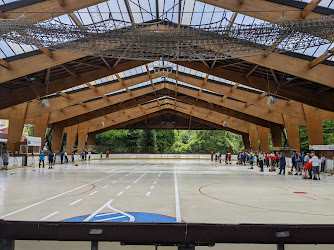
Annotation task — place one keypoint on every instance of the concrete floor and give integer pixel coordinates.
(187, 190)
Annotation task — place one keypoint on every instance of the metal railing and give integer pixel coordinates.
(184, 235)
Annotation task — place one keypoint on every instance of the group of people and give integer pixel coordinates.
(217, 157)
(310, 163)
(63, 158)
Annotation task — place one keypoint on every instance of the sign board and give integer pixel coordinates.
(321, 147)
(34, 141)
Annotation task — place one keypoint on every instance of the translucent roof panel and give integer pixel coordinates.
(323, 3)
(2, 2)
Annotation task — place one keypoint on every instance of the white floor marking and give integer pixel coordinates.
(114, 218)
(120, 193)
(177, 199)
(121, 178)
(152, 187)
(75, 202)
(93, 193)
(148, 193)
(105, 186)
(159, 174)
(139, 178)
(114, 181)
(48, 216)
(56, 196)
(157, 179)
(128, 187)
(107, 205)
(155, 182)
(99, 215)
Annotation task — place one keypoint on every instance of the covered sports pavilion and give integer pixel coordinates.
(89, 94)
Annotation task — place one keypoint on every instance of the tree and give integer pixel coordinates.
(165, 140)
(147, 141)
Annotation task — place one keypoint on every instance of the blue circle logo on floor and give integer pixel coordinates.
(124, 217)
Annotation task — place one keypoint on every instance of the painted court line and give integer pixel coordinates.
(139, 178)
(152, 187)
(120, 193)
(159, 174)
(93, 193)
(177, 199)
(128, 187)
(114, 181)
(75, 202)
(114, 218)
(48, 216)
(105, 186)
(148, 193)
(58, 195)
(155, 182)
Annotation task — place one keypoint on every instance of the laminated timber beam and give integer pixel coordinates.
(310, 7)
(46, 7)
(323, 100)
(58, 110)
(270, 11)
(281, 106)
(27, 93)
(108, 110)
(214, 117)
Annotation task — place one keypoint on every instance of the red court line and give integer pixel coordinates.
(256, 207)
(322, 197)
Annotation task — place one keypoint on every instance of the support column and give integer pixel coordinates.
(57, 136)
(82, 136)
(314, 125)
(291, 125)
(40, 126)
(276, 135)
(16, 125)
(264, 138)
(254, 138)
(91, 139)
(71, 137)
(246, 141)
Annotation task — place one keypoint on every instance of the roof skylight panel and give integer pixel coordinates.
(187, 12)
(161, 6)
(197, 13)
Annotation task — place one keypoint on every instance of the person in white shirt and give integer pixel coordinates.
(89, 155)
(307, 158)
(261, 158)
(322, 162)
(315, 167)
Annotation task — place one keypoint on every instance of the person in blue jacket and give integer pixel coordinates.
(41, 159)
(51, 157)
(282, 163)
(251, 160)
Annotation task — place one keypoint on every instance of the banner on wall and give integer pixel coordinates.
(321, 147)
(34, 141)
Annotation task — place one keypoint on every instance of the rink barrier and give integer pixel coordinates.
(184, 235)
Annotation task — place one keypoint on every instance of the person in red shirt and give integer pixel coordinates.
(107, 154)
(277, 158)
(266, 159)
(212, 156)
(308, 167)
(229, 158)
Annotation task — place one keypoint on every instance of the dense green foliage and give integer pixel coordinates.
(170, 141)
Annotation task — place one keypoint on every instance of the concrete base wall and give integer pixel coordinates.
(34, 160)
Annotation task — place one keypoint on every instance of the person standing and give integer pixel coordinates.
(260, 159)
(282, 163)
(82, 156)
(299, 164)
(212, 156)
(51, 158)
(315, 167)
(266, 159)
(62, 158)
(72, 156)
(41, 159)
(107, 154)
(251, 160)
(85, 155)
(230, 158)
(323, 162)
(293, 160)
(89, 155)
(101, 155)
(5, 159)
(66, 158)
